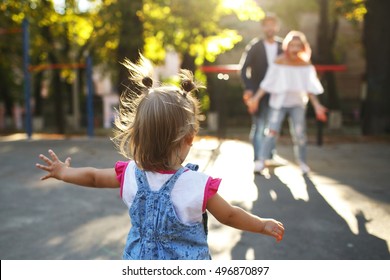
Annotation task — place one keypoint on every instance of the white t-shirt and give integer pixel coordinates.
(289, 85)
(189, 195)
(271, 50)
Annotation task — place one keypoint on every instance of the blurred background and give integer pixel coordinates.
(61, 72)
(61, 76)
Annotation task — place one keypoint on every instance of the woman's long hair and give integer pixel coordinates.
(305, 54)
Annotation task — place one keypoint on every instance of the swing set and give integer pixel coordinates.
(27, 69)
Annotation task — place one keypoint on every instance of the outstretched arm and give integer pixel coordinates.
(84, 176)
(238, 218)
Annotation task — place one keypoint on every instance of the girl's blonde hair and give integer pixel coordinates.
(153, 122)
(305, 54)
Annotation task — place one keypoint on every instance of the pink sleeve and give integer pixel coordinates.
(211, 189)
(120, 168)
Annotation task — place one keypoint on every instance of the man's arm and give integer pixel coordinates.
(246, 62)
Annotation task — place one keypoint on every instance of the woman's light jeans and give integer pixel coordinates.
(297, 122)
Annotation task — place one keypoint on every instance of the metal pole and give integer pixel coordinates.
(89, 97)
(320, 126)
(76, 105)
(27, 77)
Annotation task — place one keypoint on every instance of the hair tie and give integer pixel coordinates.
(147, 82)
(187, 85)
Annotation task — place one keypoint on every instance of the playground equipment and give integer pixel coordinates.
(27, 69)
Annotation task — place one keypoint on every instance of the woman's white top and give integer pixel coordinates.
(289, 85)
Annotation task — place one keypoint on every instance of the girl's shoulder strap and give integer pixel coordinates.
(142, 181)
(168, 185)
(193, 167)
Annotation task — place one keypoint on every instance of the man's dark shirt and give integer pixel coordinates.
(254, 66)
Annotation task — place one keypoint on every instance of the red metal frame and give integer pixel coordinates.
(231, 68)
(41, 67)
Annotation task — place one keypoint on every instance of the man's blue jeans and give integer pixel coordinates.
(259, 123)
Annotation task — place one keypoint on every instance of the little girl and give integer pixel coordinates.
(166, 201)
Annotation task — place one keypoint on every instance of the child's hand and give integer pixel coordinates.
(54, 166)
(273, 228)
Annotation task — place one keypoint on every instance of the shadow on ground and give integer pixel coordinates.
(49, 219)
(313, 229)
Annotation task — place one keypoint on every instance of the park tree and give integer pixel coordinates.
(58, 35)
(112, 30)
(376, 39)
(330, 13)
(198, 30)
(64, 34)
(13, 13)
(11, 75)
(120, 35)
(193, 28)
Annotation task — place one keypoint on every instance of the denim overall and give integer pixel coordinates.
(156, 232)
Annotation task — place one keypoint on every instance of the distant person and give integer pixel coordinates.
(291, 81)
(166, 201)
(259, 54)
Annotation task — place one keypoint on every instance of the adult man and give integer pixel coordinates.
(258, 55)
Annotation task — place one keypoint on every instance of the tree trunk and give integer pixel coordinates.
(56, 87)
(6, 96)
(58, 102)
(131, 39)
(376, 40)
(37, 93)
(57, 93)
(325, 44)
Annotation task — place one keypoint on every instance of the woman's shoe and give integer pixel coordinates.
(259, 166)
(304, 168)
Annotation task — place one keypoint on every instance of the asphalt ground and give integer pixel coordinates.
(340, 211)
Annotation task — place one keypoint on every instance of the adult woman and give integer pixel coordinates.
(291, 81)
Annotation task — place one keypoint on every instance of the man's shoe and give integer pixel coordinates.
(259, 166)
(275, 161)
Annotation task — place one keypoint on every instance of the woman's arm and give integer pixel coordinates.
(318, 108)
(238, 218)
(84, 176)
